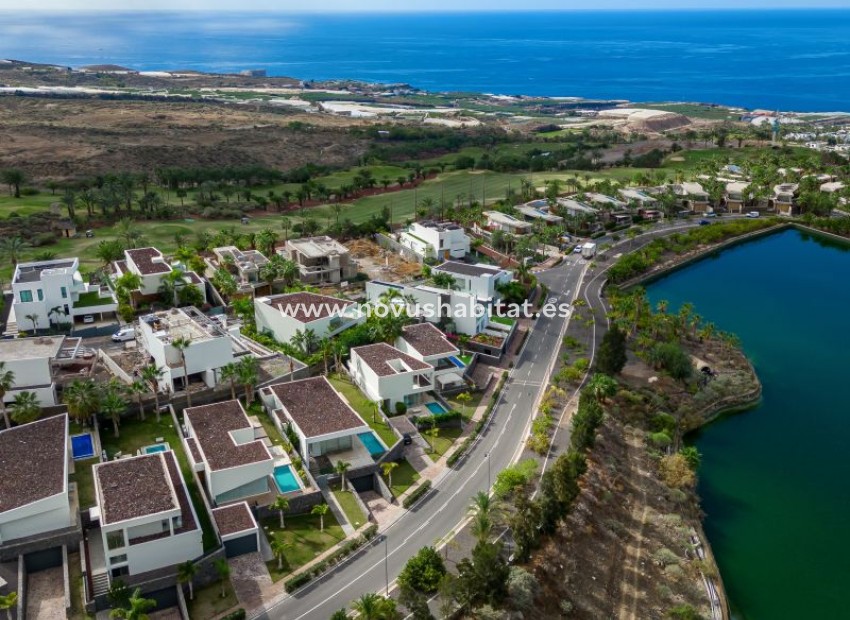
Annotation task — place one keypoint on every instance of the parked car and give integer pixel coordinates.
(125, 334)
(753, 214)
(89, 233)
(89, 318)
(704, 222)
(577, 249)
(406, 439)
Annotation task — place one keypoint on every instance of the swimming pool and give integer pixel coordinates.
(457, 361)
(157, 447)
(436, 408)
(82, 446)
(372, 443)
(285, 479)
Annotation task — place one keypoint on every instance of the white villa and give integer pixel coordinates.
(389, 376)
(53, 292)
(638, 198)
(246, 263)
(146, 517)
(284, 315)
(34, 460)
(224, 447)
(539, 210)
(443, 240)
(429, 345)
(31, 361)
(496, 220)
(151, 267)
(320, 260)
(479, 280)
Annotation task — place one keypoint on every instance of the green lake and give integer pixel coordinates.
(775, 480)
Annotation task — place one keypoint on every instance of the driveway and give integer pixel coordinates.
(251, 581)
(46, 594)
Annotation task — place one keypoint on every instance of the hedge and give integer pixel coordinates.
(418, 492)
(437, 419)
(345, 549)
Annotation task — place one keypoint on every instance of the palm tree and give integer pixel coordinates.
(138, 389)
(186, 574)
(279, 547)
(371, 606)
(388, 468)
(14, 179)
(463, 398)
(482, 508)
(151, 376)
(137, 608)
(9, 602)
(602, 386)
(223, 570)
(82, 398)
(25, 407)
(433, 434)
(281, 504)
(321, 510)
(342, 468)
(247, 370)
(34, 319)
(230, 372)
(181, 344)
(7, 382)
(326, 348)
(112, 405)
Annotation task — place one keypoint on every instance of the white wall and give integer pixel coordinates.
(39, 517)
(159, 553)
(465, 322)
(283, 327)
(393, 387)
(224, 480)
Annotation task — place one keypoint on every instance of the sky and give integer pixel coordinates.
(332, 6)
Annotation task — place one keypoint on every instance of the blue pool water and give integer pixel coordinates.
(436, 408)
(372, 443)
(157, 447)
(285, 479)
(457, 362)
(82, 446)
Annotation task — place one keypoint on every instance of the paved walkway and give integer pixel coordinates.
(251, 581)
(383, 511)
(46, 594)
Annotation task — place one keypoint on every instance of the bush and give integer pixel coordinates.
(239, 614)
(417, 493)
(400, 408)
(423, 572)
(438, 419)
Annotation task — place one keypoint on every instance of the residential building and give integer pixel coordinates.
(150, 265)
(429, 345)
(146, 517)
(442, 240)
(603, 201)
(496, 220)
(735, 197)
(34, 497)
(539, 210)
(245, 265)
(638, 198)
(237, 529)
(224, 447)
(31, 361)
(321, 260)
(388, 375)
(284, 315)
(784, 199)
(832, 187)
(576, 208)
(692, 196)
(480, 280)
(53, 292)
(453, 311)
(322, 420)
(209, 347)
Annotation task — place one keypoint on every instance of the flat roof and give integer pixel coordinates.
(315, 407)
(39, 347)
(307, 307)
(213, 425)
(139, 486)
(316, 247)
(31, 272)
(466, 269)
(379, 355)
(234, 518)
(538, 213)
(427, 340)
(33, 461)
(144, 260)
(504, 218)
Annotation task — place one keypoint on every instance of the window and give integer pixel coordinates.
(176, 523)
(118, 559)
(115, 540)
(40, 294)
(26, 296)
(64, 293)
(164, 526)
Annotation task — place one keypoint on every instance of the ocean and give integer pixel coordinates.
(782, 59)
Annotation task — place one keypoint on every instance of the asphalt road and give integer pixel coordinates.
(445, 508)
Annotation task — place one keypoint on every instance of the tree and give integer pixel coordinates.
(186, 574)
(416, 603)
(9, 602)
(25, 407)
(230, 372)
(33, 318)
(522, 588)
(602, 387)
(279, 548)
(482, 508)
(11, 247)
(611, 356)
(135, 609)
(388, 468)
(223, 570)
(14, 179)
(692, 456)
(82, 398)
(321, 510)
(444, 280)
(112, 404)
(482, 578)
(139, 389)
(7, 382)
(676, 471)
(341, 468)
(281, 504)
(110, 251)
(247, 369)
(423, 572)
(463, 398)
(371, 606)
(181, 344)
(151, 375)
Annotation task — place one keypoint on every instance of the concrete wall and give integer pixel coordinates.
(47, 515)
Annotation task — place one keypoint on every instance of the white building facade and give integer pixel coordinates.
(442, 240)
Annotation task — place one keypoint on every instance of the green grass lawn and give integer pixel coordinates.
(365, 408)
(307, 542)
(465, 358)
(442, 444)
(504, 320)
(92, 298)
(135, 434)
(350, 507)
(268, 425)
(209, 603)
(466, 409)
(404, 476)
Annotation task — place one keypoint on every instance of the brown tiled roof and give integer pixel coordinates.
(427, 340)
(234, 518)
(320, 306)
(119, 267)
(213, 424)
(193, 277)
(143, 257)
(316, 407)
(33, 459)
(466, 269)
(377, 357)
(134, 487)
(182, 494)
(194, 450)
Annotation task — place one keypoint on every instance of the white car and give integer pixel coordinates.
(124, 334)
(753, 214)
(89, 318)
(577, 249)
